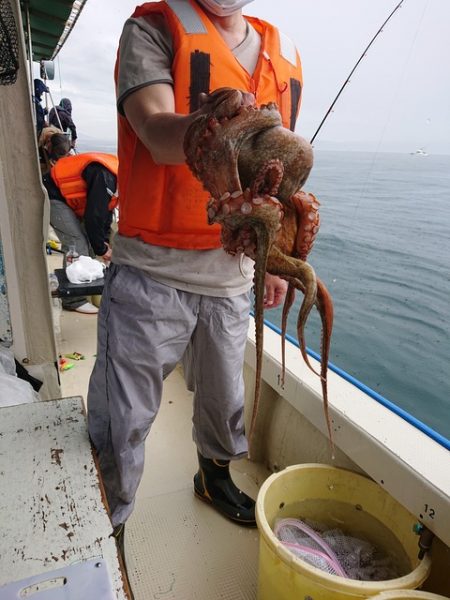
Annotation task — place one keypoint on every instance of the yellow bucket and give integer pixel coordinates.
(314, 491)
(408, 595)
(96, 300)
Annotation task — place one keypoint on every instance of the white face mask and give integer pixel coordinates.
(223, 8)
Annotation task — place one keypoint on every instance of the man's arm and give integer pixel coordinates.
(52, 189)
(151, 112)
(97, 216)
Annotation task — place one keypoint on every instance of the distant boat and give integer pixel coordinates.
(419, 152)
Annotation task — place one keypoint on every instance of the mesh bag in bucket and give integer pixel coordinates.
(308, 545)
(9, 45)
(335, 552)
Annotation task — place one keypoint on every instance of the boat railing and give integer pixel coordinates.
(408, 417)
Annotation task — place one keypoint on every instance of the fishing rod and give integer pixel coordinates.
(354, 69)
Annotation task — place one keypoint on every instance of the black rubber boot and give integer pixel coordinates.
(213, 484)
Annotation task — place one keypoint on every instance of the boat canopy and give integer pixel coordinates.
(50, 23)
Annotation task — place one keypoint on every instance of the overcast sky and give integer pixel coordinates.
(398, 99)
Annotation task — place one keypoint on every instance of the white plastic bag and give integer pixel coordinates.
(15, 391)
(12, 389)
(7, 364)
(84, 270)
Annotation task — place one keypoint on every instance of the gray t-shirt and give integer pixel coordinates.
(146, 54)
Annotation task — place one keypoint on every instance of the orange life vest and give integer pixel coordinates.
(67, 175)
(164, 204)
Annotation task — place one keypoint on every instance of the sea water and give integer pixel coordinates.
(383, 250)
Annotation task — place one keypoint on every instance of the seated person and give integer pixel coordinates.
(82, 196)
(44, 146)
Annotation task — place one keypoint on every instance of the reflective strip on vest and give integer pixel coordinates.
(187, 16)
(287, 49)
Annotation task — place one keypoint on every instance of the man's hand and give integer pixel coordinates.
(107, 256)
(275, 291)
(224, 102)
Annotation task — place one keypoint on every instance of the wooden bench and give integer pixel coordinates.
(53, 514)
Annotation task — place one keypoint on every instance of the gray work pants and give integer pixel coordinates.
(145, 328)
(70, 232)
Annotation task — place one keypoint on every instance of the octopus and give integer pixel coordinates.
(254, 169)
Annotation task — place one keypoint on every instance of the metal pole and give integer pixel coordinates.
(30, 54)
(55, 109)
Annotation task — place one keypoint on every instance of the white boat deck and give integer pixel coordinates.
(177, 548)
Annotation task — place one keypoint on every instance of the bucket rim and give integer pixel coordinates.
(397, 594)
(409, 581)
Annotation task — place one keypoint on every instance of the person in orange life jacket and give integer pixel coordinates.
(88, 227)
(187, 294)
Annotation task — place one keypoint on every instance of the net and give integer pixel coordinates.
(9, 45)
(335, 552)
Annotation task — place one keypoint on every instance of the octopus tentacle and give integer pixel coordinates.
(207, 150)
(295, 269)
(324, 306)
(302, 235)
(262, 251)
(269, 178)
(307, 209)
(288, 302)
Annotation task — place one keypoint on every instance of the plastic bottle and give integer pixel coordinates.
(72, 256)
(57, 310)
(53, 281)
